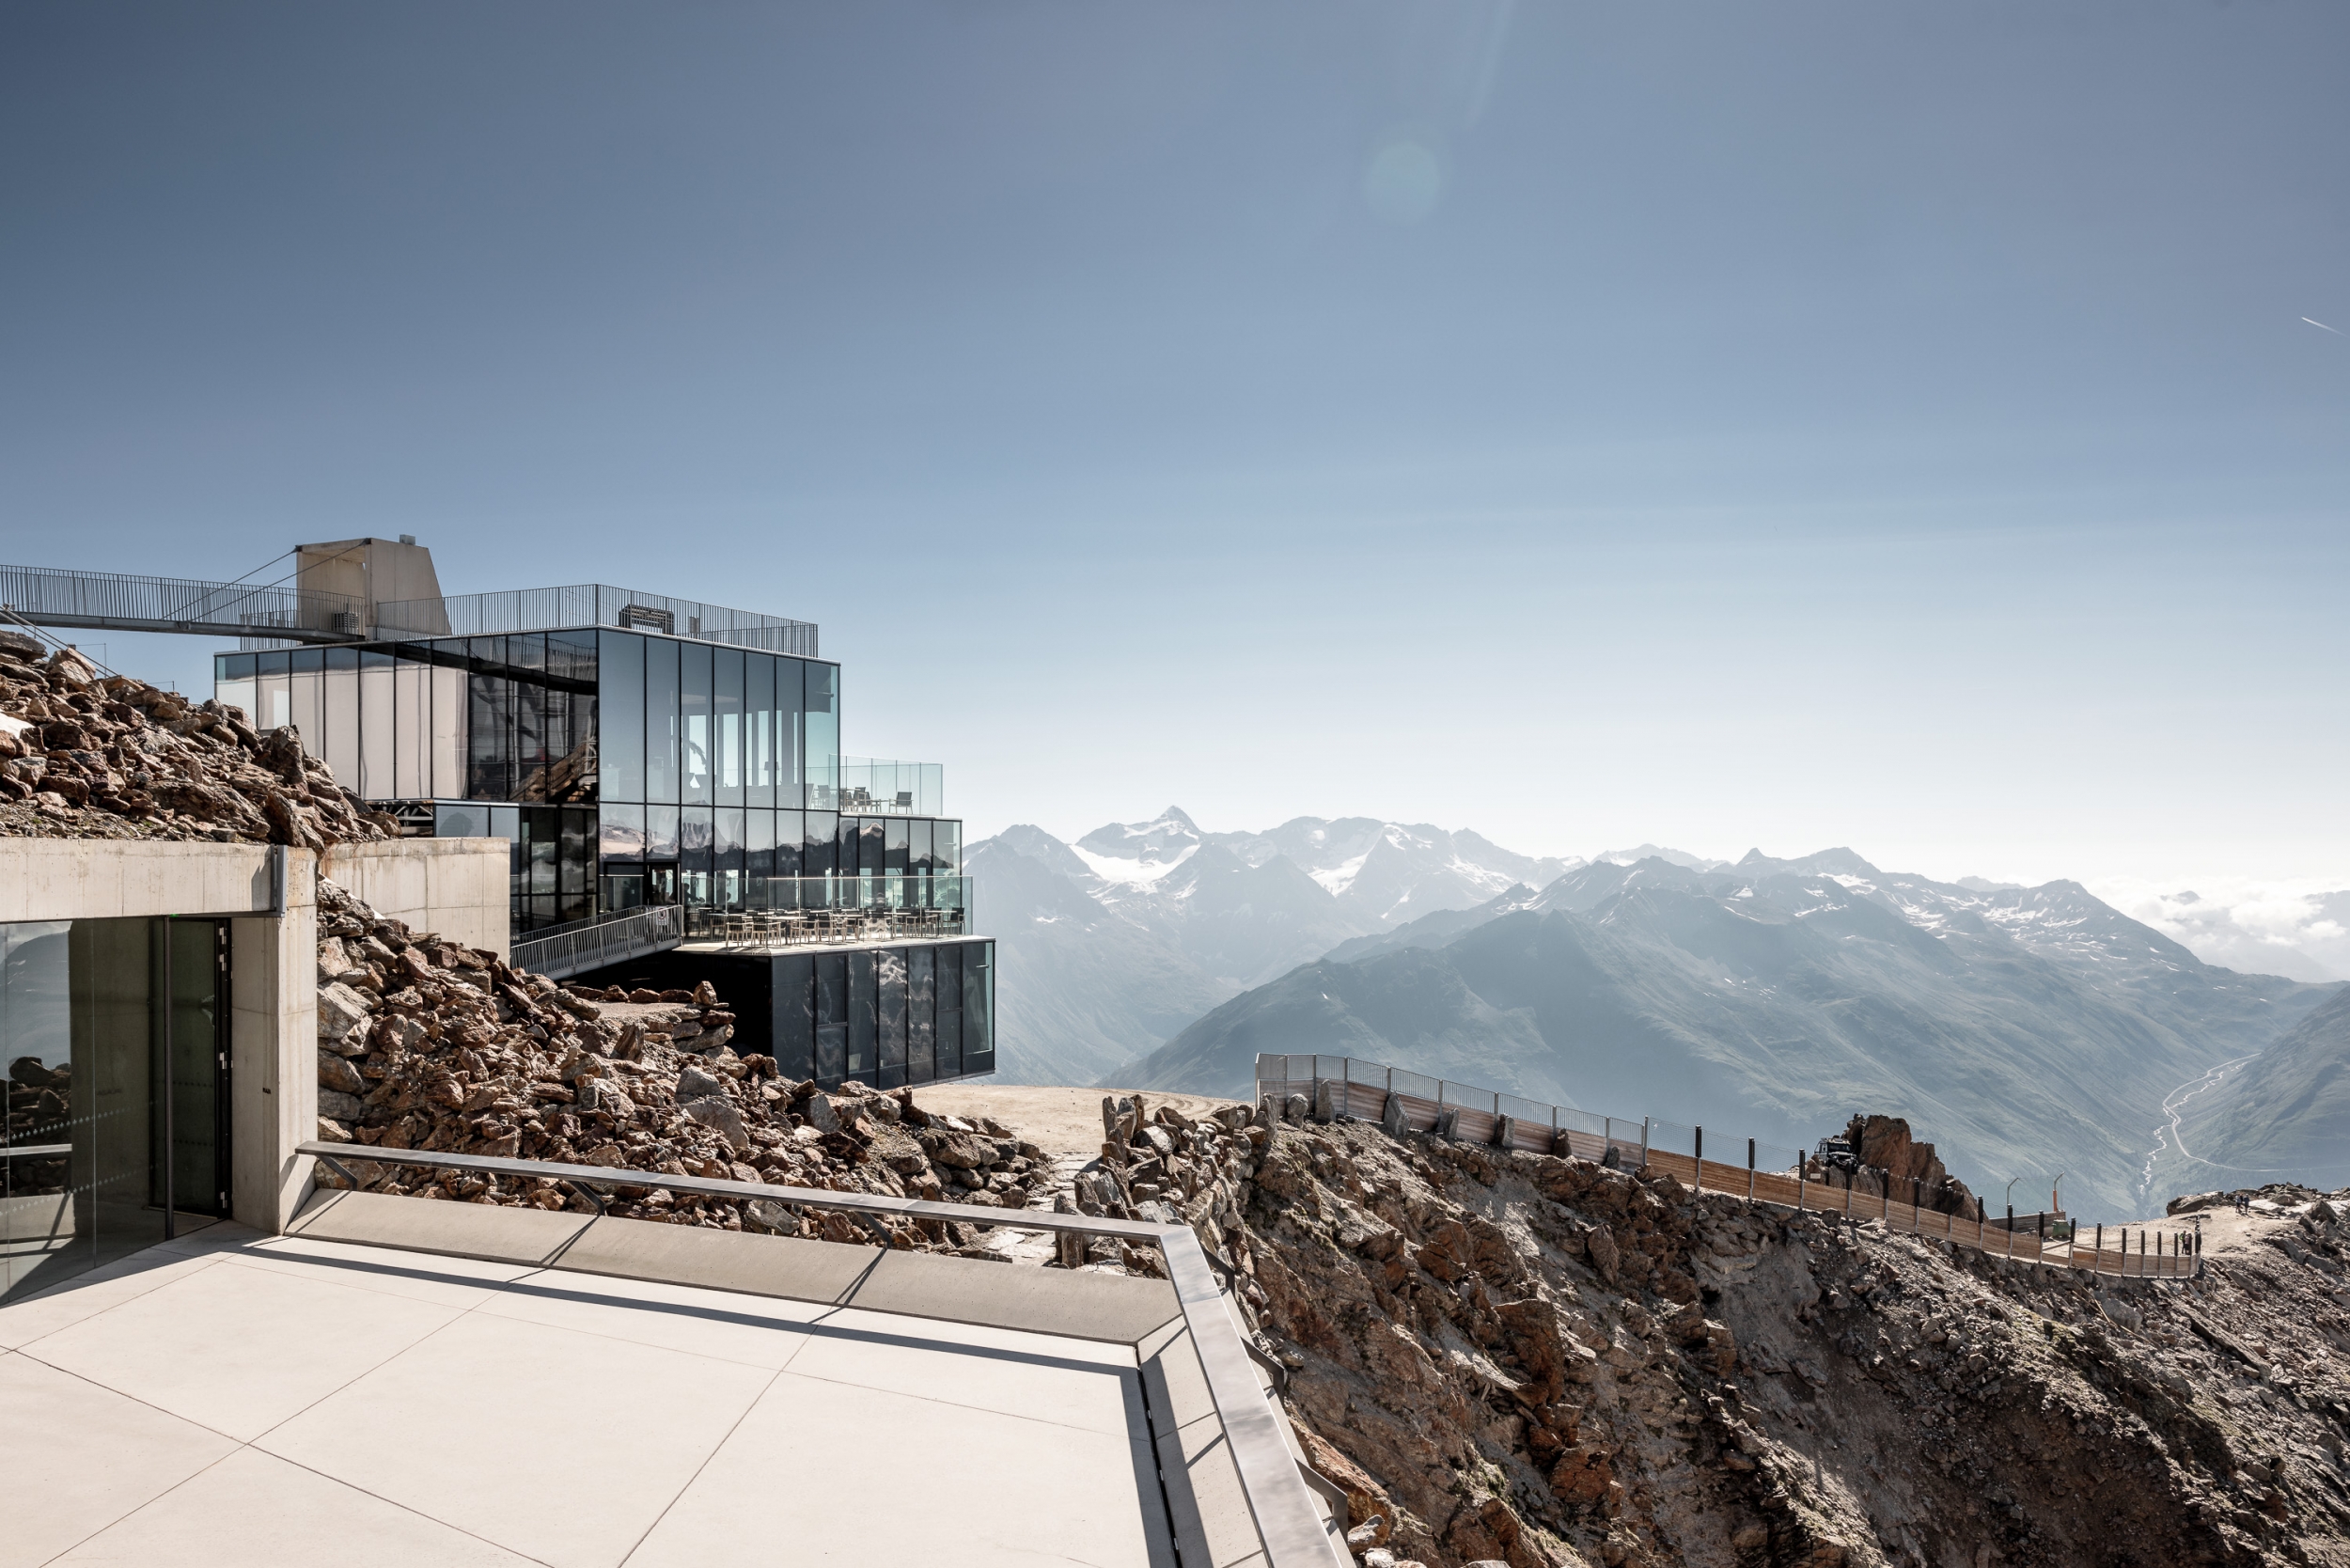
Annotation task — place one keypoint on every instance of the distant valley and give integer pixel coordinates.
(1771, 998)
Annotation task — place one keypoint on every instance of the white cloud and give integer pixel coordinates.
(2265, 928)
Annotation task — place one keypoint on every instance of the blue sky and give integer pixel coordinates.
(1728, 425)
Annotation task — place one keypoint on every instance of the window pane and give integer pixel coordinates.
(661, 833)
(791, 827)
(490, 725)
(862, 1050)
(921, 1009)
(726, 724)
(660, 719)
(821, 734)
(727, 864)
(412, 737)
(526, 655)
(693, 752)
(759, 729)
(341, 702)
(696, 832)
(890, 968)
(791, 703)
(822, 854)
(274, 692)
(461, 821)
(795, 1015)
(896, 842)
(622, 832)
(450, 754)
(620, 716)
(758, 850)
(376, 773)
(946, 848)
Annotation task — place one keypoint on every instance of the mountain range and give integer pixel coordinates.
(1117, 942)
(2032, 1032)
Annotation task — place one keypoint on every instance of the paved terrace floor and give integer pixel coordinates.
(238, 1399)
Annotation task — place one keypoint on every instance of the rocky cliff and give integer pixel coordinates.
(1543, 1363)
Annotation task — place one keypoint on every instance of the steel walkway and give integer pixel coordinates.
(121, 601)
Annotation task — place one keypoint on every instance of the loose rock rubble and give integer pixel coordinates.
(83, 755)
(1535, 1360)
(424, 1044)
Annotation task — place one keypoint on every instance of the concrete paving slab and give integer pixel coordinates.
(101, 1290)
(989, 1490)
(1047, 1378)
(562, 1446)
(77, 1457)
(482, 1230)
(757, 1331)
(253, 1511)
(449, 1281)
(239, 1349)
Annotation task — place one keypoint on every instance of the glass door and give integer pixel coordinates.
(114, 1038)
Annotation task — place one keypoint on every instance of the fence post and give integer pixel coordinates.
(1700, 1158)
(1644, 1121)
(1848, 1176)
(1800, 1174)
(1749, 1172)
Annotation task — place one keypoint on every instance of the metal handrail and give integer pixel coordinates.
(120, 601)
(1287, 1522)
(591, 944)
(1452, 1102)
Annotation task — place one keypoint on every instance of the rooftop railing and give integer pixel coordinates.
(552, 610)
(880, 786)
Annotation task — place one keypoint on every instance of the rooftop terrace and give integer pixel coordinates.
(593, 1392)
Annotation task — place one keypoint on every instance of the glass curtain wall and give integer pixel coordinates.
(714, 769)
(704, 769)
(510, 718)
(113, 1032)
(887, 1016)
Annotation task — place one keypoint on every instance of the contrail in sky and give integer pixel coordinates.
(2322, 327)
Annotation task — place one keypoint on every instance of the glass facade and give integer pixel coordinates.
(886, 1016)
(626, 767)
(113, 1032)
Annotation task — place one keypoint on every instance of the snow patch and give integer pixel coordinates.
(1131, 873)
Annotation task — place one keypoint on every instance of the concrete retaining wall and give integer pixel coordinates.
(455, 886)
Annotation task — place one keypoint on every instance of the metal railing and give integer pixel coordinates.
(1287, 1524)
(586, 945)
(121, 602)
(579, 604)
(1468, 1115)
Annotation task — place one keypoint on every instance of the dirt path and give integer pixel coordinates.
(1058, 1121)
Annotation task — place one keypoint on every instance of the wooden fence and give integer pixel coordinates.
(1362, 1089)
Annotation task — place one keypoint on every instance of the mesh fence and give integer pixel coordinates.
(1779, 1173)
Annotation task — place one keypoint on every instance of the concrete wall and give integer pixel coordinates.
(273, 1055)
(455, 886)
(100, 879)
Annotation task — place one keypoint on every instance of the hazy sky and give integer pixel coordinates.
(1881, 424)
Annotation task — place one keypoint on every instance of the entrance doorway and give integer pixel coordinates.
(114, 1037)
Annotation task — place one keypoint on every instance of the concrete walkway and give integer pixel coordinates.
(238, 1399)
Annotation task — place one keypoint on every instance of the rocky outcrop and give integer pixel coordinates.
(1543, 1363)
(1893, 1163)
(107, 757)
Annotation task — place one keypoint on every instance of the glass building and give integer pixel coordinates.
(627, 765)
